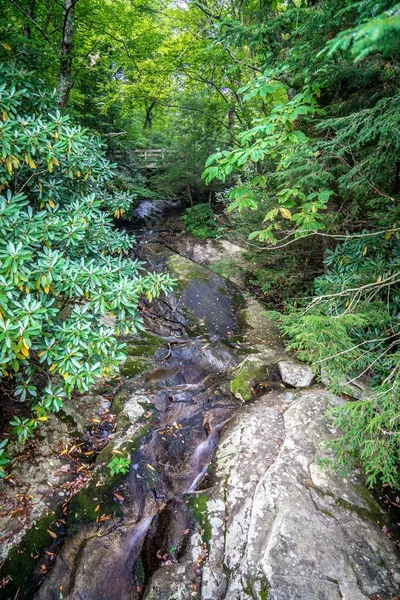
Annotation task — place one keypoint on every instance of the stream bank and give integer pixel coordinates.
(226, 496)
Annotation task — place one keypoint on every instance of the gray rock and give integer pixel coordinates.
(282, 527)
(295, 373)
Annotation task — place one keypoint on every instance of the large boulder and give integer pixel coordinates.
(201, 304)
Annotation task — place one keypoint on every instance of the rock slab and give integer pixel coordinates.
(282, 527)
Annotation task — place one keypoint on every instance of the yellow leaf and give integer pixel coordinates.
(53, 366)
(6, 46)
(365, 250)
(25, 351)
(41, 353)
(286, 214)
(31, 163)
(24, 344)
(150, 467)
(97, 508)
(117, 452)
(9, 166)
(51, 203)
(46, 289)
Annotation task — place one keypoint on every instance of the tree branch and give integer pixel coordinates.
(38, 27)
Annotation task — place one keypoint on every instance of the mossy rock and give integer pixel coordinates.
(197, 505)
(144, 346)
(140, 352)
(249, 373)
(24, 563)
(134, 366)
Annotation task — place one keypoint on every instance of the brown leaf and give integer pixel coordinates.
(119, 497)
(97, 508)
(53, 535)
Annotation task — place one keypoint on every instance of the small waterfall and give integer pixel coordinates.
(139, 534)
(202, 457)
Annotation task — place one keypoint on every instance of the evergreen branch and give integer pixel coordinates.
(332, 356)
(367, 286)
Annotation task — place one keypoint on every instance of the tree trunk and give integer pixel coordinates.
(148, 119)
(65, 81)
(231, 119)
(31, 14)
(190, 195)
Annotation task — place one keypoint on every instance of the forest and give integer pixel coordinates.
(271, 124)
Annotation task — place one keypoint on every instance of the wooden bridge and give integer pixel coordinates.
(150, 158)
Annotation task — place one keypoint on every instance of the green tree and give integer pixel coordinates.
(62, 264)
(322, 159)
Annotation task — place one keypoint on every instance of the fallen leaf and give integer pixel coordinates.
(150, 467)
(97, 508)
(53, 535)
(119, 497)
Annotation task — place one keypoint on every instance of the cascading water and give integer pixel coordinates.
(189, 403)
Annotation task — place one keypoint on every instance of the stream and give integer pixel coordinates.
(190, 403)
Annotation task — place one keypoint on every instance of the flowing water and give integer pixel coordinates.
(189, 402)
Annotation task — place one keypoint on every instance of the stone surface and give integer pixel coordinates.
(271, 524)
(222, 254)
(295, 373)
(41, 474)
(282, 527)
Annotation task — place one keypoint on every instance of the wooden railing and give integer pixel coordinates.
(150, 158)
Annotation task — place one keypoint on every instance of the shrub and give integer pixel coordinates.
(201, 222)
(62, 264)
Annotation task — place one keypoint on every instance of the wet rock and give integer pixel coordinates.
(212, 301)
(295, 373)
(202, 303)
(150, 212)
(281, 527)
